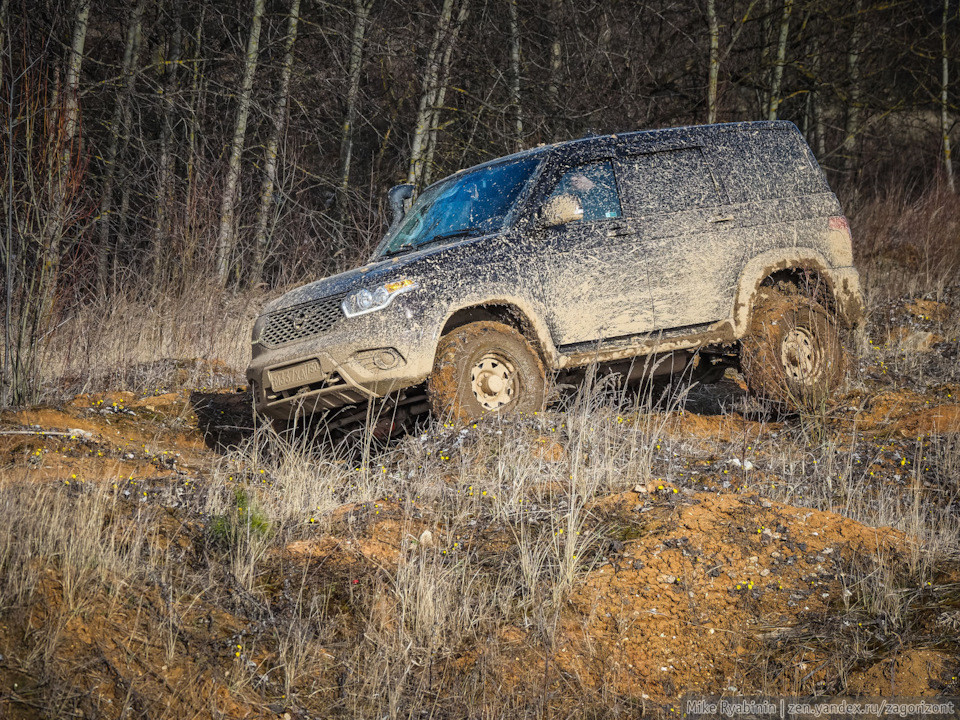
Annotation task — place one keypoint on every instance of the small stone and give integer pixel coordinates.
(668, 579)
(764, 572)
(426, 539)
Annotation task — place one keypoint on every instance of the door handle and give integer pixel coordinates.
(720, 219)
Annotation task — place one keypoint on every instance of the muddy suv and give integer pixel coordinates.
(653, 252)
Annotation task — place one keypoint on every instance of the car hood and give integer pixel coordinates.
(414, 265)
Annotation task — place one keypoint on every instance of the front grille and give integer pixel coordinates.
(301, 321)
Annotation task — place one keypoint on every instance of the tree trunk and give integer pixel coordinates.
(714, 29)
(777, 79)
(226, 237)
(119, 132)
(361, 11)
(163, 222)
(62, 175)
(556, 54)
(816, 101)
(270, 160)
(944, 115)
(441, 93)
(852, 126)
(515, 73)
(192, 223)
(434, 89)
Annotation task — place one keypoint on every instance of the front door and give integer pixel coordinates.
(594, 286)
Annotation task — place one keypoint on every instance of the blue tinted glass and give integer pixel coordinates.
(474, 204)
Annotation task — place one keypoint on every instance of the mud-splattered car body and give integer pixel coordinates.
(690, 223)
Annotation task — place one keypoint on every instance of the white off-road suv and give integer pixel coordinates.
(695, 247)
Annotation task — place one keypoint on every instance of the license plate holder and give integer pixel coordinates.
(297, 375)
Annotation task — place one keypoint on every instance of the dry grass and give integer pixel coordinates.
(488, 528)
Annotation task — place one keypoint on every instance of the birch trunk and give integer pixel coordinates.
(816, 104)
(428, 97)
(270, 160)
(515, 74)
(361, 10)
(852, 126)
(714, 29)
(556, 54)
(192, 224)
(226, 237)
(944, 115)
(777, 79)
(119, 133)
(441, 93)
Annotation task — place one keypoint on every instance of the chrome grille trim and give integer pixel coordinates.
(301, 321)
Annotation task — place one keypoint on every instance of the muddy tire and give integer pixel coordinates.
(793, 354)
(485, 367)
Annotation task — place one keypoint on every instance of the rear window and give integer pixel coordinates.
(667, 182)
(768, 165)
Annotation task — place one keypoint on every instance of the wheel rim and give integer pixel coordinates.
(493, 381)
(799, 356)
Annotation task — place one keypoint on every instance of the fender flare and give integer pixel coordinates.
(759, 268)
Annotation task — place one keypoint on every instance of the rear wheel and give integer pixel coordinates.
(485, 367)
(793, 353)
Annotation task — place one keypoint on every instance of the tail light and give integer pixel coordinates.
(839, 222)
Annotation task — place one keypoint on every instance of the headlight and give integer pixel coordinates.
(367, 300)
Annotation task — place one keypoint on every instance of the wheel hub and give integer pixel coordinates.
(493, 381)
(798, 353)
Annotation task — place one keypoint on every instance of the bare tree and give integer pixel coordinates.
(226, 237)
(119, 132)
(515, 72)
(165, 176)
(433, 88)
(714, 30)
(361, 16)
(852, 126)
(261, 238)
(777, 75)
(944, 104)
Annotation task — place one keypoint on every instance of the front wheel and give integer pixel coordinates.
(485, 367)
(792, 354)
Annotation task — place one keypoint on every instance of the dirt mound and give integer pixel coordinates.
(703, 579)
(684, 599)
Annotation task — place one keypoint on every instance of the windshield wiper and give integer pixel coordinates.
(437, 238)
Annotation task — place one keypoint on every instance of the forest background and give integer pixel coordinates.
(169, 163)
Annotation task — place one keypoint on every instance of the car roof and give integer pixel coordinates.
(660, 136)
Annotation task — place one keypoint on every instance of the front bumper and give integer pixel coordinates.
(363, 357)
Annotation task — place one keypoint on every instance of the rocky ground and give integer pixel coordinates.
(164, 557)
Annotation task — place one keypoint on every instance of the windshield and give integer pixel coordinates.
(465, 205)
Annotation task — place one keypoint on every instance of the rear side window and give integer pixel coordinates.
(769, 165)
(667, 182)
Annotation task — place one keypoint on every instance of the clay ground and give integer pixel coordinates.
(165, 557)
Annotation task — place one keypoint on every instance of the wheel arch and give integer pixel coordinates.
(511, 312)
(810, 272)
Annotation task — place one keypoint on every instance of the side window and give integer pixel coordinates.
(769, 165)
(666, 182)
(596, 189)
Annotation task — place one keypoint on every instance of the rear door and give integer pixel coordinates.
(687, 235)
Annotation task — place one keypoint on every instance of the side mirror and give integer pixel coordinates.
(398, 197)
(561, 210)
